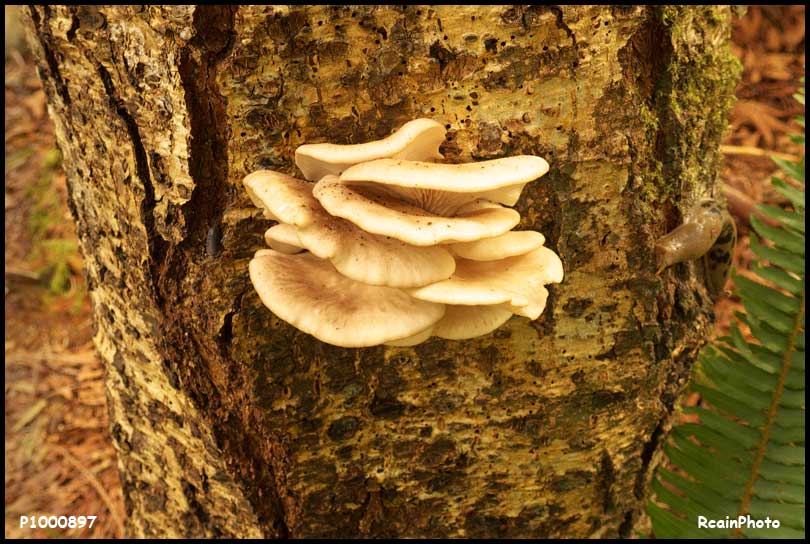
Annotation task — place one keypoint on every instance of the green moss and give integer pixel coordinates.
(657, 184)
(696, 96)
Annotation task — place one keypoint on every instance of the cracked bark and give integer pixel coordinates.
(229, 422)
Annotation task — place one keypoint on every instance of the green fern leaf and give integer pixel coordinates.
(793, 194)
(746, 455)
(794, 170)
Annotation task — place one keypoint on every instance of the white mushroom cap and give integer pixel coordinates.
(258, 201)
(382, 214)
(516, 281)
(515, 242)
(287, 199)
(508, 195)
(311, 295)
(462, 322)
(283, 238)
(417, 338)
(471, 177)
(359, 255)
(372, 258)
(417, 140)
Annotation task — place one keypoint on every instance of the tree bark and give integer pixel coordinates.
(228, 421)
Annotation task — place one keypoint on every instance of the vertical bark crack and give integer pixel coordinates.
(45, 38)
(650, 447)
(157, 246)
(208, 166)
(208, 158)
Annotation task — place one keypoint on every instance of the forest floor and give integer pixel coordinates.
(59, 458)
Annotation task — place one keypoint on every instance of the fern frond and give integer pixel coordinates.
(746, 455)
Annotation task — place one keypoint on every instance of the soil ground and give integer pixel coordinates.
(59, 459)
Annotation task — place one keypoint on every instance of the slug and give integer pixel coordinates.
(708, 231)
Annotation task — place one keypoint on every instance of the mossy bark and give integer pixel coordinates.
(229, 422)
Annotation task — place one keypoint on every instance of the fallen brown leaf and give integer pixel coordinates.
(763, 117)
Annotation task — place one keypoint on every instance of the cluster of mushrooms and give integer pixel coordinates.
(389, 247)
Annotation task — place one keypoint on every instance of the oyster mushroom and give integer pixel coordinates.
(417, 338)
(283, 238)
(500, 247)
(517, 283)
(357, 254)
(417, 140)
(499, 180)
(460, 323)
(382, 214)
(281, 197)
(399, 248)
(311, 295)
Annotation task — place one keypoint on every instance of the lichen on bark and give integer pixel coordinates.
(543, 428)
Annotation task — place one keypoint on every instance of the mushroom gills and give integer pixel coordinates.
(387, 216)
(518, 283)
(311, 295)
(389, 247)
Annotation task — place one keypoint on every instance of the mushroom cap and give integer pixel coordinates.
(372, 258)
(283, 238)
(515, 281)
(508, 195)
(462, 322)
(254, 198)
(473, 177)
(417, 140)
(359, 255)
(311, 295)
(514, 242)
(382, 214)
(287, 199)
(417, 338)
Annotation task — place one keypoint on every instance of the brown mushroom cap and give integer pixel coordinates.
(382, 214)
(517, 282)
(471, 177)
(417, 140)
(311, 295)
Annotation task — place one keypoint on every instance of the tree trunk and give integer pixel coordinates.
(228, 421)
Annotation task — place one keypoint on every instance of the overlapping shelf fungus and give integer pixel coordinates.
(384, 246)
